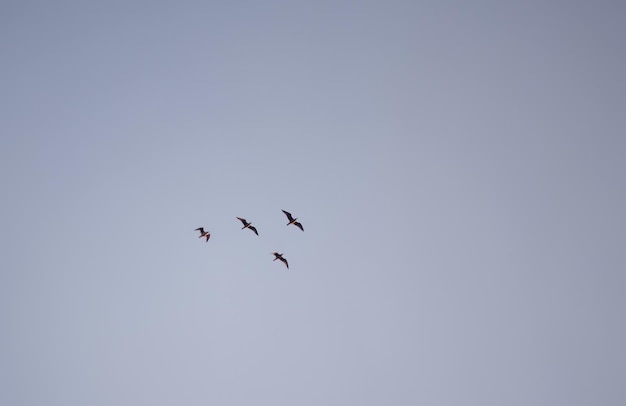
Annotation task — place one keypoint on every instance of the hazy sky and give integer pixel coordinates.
(459, 169)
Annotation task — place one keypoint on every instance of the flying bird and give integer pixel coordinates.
(203, 233)
(280, 256)
(293, 220)
(247, 225)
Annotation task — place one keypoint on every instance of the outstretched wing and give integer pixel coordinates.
(284, 262)
(288, 215)
(297, 224)
(201, 229)
(253, 229)
(207, 237)
(242, 220)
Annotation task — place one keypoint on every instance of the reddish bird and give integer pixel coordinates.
(293, 220)
(280, 256)
(203, 233)
(247, 225)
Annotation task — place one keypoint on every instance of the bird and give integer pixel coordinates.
(203, 233)
(293, 220)
(247, 225)
(280, 256)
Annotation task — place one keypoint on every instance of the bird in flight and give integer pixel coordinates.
(293, 220)
(203, 233)
(247, 225)
(280, 256)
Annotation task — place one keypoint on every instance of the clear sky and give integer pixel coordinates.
(459, 169)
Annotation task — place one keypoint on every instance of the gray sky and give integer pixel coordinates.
(459, 169)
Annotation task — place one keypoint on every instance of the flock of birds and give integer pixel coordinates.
(248, 225)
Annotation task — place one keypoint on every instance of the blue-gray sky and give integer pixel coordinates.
(459, 168)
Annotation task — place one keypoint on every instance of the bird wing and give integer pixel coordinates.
(242, 220)
(288, 215)
(200, 229)
(297, 224)
(207, 237)
(253, 229)
(285, 262)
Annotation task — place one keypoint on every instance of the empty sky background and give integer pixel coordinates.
(459, 169)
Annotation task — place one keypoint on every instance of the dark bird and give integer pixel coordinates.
(280, 256)
(247, 225)
(293, 220)
(203, 233)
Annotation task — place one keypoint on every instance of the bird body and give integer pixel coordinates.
(280, 257)
(203, 233)
(247, 225)
(293, 220)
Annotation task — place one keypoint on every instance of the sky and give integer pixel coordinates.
(458, 167)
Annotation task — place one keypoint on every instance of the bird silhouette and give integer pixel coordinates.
(280, 256)
(203, 233)
(293, 220)
(247, 225)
